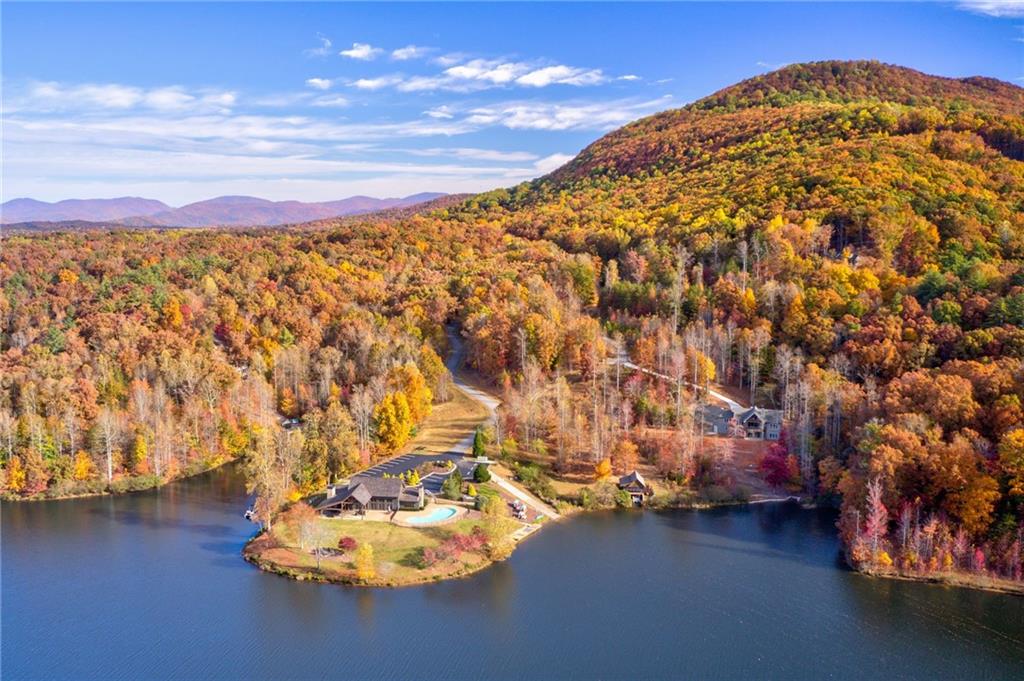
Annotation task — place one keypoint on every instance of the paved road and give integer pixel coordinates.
(458, 454)
(406, 462)
(622, 359)
(524, 496)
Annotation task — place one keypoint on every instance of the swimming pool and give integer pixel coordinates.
(435, 516)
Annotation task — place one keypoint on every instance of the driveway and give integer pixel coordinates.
(458, 453)
(407, 462)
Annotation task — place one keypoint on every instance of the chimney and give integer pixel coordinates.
(330, 491)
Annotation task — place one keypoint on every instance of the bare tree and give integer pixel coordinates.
(361, 406)
(110, 423)
(7, 423)
(678, 282)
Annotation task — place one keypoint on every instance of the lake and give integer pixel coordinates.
(151, 586)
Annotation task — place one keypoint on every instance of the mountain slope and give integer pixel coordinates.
(247, 211)
(238, 211)
(896, 181)
(30, 210)
(843, 241)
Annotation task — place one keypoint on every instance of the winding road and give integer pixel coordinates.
(622, 359)
(459, 452)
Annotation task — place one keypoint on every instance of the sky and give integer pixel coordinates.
(186, 101)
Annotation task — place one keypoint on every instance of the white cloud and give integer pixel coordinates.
(493, 71)
(629, 76)
(771, 66)
(410, 52)
(442, 111)
(168, 98)
(450, 59)
(552, 162)
(475, 154)
(52, 96)
(561, 75)
(323, 51)
(319, 83)
(330, 101)
(565, 116)
(376, 83)
(483, 74)
(994, 8)
(361, 51)
(62, 139)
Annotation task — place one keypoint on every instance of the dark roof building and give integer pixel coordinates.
(367, 492)
(715, 420)
(761, 424)
(637, 487)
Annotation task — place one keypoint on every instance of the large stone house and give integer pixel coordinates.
(754, 423)
(761, 424)
(368, 493)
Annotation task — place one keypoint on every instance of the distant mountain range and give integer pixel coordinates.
(226, 211)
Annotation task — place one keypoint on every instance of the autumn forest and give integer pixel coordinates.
(842, 241)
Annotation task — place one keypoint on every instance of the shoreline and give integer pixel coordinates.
(945, 579)
(300, 575)
(950, 579)
(108, 492)
(254, 555)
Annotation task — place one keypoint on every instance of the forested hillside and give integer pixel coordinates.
(843, 241)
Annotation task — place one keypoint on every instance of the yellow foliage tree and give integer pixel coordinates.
(408, 379)
(1011, 459)
(625, 456)
(172, 315)
(365, 569)
(394, 420)
(66, 276)
(603, 469)
(140, 454)
(287, 404)
(15, 475)
(83, 468)
(705, 366)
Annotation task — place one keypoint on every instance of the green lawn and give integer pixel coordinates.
(396, 549)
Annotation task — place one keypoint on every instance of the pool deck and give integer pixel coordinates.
(404, 517)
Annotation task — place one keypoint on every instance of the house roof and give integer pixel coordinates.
(766, 415)
(715, 417)
(361, 493)
(629, 479)
(363, 488)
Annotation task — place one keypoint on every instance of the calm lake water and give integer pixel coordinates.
(152, 586)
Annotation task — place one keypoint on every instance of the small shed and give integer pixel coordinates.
(637, 487)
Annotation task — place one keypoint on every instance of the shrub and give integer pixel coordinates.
(586, 498)
(479, 443)
(623, 499)
(134, 484)
(716, 494)
(451, 488)
(534, 479)
(348, 544)
(481, 474)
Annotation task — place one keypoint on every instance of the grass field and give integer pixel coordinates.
(448, 424)
(396, 551)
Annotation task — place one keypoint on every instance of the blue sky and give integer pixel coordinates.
(182, 102)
